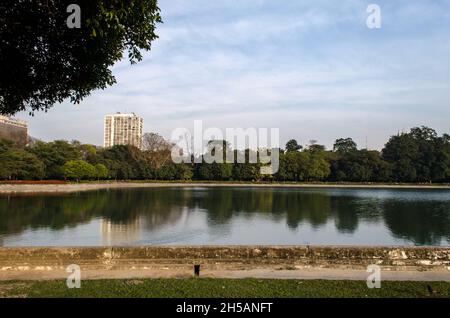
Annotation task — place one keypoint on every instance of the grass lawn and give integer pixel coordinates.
(228, 288)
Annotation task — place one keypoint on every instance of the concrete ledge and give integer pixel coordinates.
(223, 261)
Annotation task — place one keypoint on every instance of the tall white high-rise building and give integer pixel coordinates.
(123, 129)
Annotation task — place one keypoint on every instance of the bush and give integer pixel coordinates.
(101, 172)
(78, 170)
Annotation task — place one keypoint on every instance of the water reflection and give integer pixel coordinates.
(182, 216)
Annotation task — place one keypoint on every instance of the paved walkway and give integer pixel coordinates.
(328, 274)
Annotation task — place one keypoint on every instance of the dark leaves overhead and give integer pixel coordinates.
(43, 61)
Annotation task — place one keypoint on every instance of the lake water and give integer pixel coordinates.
(178, 216)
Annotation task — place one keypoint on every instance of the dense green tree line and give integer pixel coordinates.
(418, 156)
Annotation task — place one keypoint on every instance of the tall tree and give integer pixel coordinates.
(45, 60)
(125, 162)
(360, 166)
(293, 146)
(20, 164)
(418, 156)
(157, 150)
(54, 155)
(101, 172)
(344, 145)
(155, 142)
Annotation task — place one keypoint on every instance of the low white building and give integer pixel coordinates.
(15, 130)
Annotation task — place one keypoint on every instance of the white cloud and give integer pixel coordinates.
(313, 70)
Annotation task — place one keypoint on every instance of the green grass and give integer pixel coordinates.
(227, 288)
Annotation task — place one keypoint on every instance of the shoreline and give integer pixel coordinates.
(6, 188)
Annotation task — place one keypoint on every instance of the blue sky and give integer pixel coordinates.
(311, 68)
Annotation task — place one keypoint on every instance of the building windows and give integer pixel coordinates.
(123, 129)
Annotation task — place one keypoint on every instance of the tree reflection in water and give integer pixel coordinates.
(420, 217)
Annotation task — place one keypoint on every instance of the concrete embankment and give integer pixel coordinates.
(302, 262)
(76, 187)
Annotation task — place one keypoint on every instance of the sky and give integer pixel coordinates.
(313, 69)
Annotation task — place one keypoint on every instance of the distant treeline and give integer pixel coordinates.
(418, 156)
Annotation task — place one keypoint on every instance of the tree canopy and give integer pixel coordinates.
(78, 170)
(20, 164)
(43, 61)
(344, 145)
(418, 156)
(292, 146)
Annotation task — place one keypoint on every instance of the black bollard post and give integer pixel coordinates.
(197, 270)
